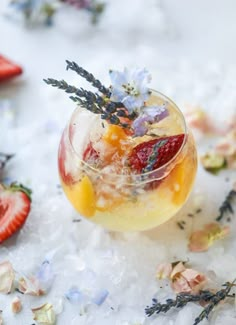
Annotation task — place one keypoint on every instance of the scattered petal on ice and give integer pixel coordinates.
(74, 295)
(45, 275)
(7, 276)
(164, 270)
(201, 240)
(198, 119)
(30, 286)
(16, 305)
(177, 269)
(44, 314)
(100, 297)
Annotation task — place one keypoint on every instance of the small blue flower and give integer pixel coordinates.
(130, 88)
(150, 114)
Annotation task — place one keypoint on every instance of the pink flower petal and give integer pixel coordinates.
(16, 305)
(7, 277)
(180, 284)
(199, 241)
(177, 269)
(195, 279)
(164, 270)
(30, 287)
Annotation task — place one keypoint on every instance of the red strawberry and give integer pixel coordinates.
(150, 155)
(8, 69)
(66, 177)
(90, 154)
(15, 204)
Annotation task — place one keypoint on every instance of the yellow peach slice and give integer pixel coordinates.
(114, 135)
(83, 196)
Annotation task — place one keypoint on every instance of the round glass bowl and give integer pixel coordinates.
(109, 194)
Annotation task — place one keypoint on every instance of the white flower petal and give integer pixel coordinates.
(44, 314)
(7, 276)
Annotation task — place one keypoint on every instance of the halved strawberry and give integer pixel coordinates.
(15, 205)
(150, 155)
(8, 69)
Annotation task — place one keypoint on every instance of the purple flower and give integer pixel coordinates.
(130, 87)
(150, 115)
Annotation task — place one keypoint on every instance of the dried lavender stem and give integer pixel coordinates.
(89, 77)
(226, 205)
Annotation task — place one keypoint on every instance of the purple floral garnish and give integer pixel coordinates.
(150, 115)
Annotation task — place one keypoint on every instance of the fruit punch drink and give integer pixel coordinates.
(128, 170)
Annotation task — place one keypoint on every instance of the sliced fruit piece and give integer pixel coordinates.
(82, 196)
(66, 177)
(180, 179)
(8, 69)
(161, 150)
(114, 136)
(90, 155)
(150, 155)
(15, 205)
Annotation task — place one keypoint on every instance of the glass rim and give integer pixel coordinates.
(137, 177)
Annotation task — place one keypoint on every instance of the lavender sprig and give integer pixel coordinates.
(214, 301)
(110, 111)
(89, 77)
(4, 159)
(182, 299)
(226, 206)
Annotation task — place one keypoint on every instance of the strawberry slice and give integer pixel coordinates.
(8, 69)
(15, 205)
(66, 177)
(150, 155)
(90, 155)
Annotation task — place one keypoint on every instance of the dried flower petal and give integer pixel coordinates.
(44, 314)
(227, 148)
(195, 279)
(201, 240)
(163, 270)
(74, 295)
(45, 275)
(177, 269)
(30, 286)
(100, 297)
(189, 281)
(16, 305)
(7, 276)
